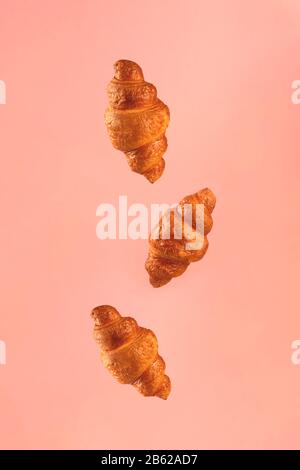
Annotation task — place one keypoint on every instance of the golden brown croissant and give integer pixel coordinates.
(130, 352)
(170, 257)
(137, 120)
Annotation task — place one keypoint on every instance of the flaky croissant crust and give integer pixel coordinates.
(137, 120)
(130, 352)
(170, 258)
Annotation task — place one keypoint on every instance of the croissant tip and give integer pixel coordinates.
(158, 282)
(152, 178)
(154, 278)
(102, 311)
(209, 196)
(154, 173)
(128, 70)
(165, 390)
(163, 395)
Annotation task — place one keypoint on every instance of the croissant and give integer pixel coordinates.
(170, 257)
(137, 120)
(130, 352)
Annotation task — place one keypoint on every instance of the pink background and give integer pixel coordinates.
(225, 327)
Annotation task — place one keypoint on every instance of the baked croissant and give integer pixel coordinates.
(170, 257)
(137, 120)
(130, 352)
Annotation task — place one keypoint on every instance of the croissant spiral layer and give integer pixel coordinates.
(136, 120)
(170, 257)
(130, 352)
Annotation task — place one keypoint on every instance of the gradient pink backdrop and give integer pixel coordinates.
(225, 327)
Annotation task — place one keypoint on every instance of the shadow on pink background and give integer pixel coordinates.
(225, 327)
